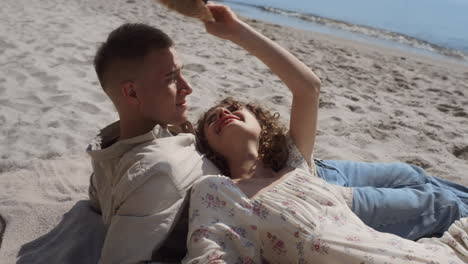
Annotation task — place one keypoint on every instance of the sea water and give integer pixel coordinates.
(425, 26)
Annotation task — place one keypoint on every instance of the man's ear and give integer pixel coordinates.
(129, 93)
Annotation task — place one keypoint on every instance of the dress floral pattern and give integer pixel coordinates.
(301, 219)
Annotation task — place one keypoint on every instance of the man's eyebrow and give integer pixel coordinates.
(174, 71)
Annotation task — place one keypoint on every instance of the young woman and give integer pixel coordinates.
(271, 207)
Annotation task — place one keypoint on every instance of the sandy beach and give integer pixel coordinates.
(376, 104)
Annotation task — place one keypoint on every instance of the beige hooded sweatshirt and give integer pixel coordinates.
(140, 186)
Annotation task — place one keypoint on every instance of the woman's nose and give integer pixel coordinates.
(223, 112)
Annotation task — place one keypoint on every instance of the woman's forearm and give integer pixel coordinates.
(295, 74)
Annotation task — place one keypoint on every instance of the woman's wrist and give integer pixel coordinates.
(242, 33)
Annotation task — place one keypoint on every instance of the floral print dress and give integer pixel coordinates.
(300, 219)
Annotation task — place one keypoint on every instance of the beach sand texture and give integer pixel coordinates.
(376, 104)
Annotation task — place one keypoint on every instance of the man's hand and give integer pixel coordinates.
(226, 25)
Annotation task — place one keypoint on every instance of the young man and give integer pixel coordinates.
(143, 170)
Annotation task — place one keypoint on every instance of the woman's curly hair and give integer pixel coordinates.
(272, 151)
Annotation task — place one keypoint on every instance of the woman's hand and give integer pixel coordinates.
(226, 25)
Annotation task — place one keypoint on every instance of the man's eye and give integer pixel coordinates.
(173, 78)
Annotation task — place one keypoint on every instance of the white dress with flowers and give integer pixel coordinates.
(301, 219)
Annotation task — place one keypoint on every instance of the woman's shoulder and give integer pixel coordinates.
(216, 193)
(207, 179)
(295, 158)
(220, 184)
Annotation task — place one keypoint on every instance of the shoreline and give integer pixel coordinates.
(349, 31)
(362, 46)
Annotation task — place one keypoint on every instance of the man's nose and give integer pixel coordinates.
(183, 86)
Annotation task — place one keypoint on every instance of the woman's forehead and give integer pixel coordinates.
(229, 106)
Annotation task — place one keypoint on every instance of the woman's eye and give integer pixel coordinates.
(232, 108)
(211, 119)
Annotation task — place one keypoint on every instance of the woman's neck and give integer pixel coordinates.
(245, 165)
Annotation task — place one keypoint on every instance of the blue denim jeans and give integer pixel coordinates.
(398, 198)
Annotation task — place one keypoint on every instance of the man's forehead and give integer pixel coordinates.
(165, 59)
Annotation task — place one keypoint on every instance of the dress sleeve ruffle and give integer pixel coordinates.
(295, 159)
(455, 239)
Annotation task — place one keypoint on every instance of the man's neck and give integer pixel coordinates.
(130, 128)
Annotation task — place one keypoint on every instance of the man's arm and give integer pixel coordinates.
(92, 194)
(303, 83)
(142, 221)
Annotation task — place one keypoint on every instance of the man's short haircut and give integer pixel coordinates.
(129, 42)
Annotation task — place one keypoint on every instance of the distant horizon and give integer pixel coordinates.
(417, 29)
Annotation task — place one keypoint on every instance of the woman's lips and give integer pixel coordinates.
(225, 121)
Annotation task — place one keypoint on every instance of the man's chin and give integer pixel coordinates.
(182, 120)
(182, 126)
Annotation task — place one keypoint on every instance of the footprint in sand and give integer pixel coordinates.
(203, 55)
(97, 96)
(440, 76)
(459, 93)
(32, 98)
(434, 125)
(377, 66)
(2, 89)
(351, 97)
(460, 114)
(60, 98)
(324, 104)
(20, 78)
(386, 126)
(440, 91)
(53, 124)
(374, 108)
(417, 161)
(51, 88)
(417, 78)
(5, 44)
(277, 99)
(401, 82)
(461, 152)
(44, 77)
(88, 108)
(2, 229)
(375, 133)
(355, 108)
(236, 72)
(80, 74)
(193, 67)
(226, 84)
(455, 110)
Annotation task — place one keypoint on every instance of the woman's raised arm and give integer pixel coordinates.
(303, 83)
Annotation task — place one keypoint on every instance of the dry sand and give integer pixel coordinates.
(376, 104)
